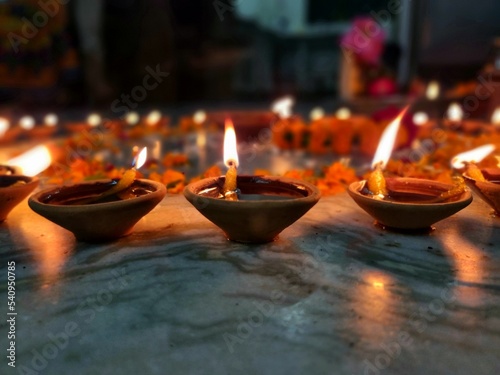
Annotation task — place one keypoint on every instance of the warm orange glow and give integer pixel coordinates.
(132, 118)
(343, 113)
(4, 126)
(432, 91)
(420, 118)
(32, 161)
(230, 146)
(94, 119)
(283, 107)
(27, 122)
(199, 117)
(386, 143)
(378, 285)
(153, 118)
(475, 155)
(141, 158)
(51, 119)
(317, 113)
(455, 112)
(495, 117)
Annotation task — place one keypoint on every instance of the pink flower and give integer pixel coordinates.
(365, 39)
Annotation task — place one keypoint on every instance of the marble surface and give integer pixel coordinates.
(333, 295)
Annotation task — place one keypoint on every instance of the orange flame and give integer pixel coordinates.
(475, 155)
(455, 112)
(230, 147)
(4, 126)
(141, 158)
(283, 107)
(33, 161)
(386, 143)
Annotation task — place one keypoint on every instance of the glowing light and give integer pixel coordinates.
(317, 114)
(343, 113)
(4, 126)
(283, 107)
(230, 145)
(432, 91)
(27, 122)
(153, 118)
(51, 119)
(200, 117)
(141, 158)
(378, 285)
(132, 118)
(94, 119)
(420, 118)
(387, 140)
(495, 117)
(455, 112)
(33, 161)
(475, 155)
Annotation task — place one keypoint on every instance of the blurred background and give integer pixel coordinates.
(89, 53)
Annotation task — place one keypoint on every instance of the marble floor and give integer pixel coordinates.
(333, 295)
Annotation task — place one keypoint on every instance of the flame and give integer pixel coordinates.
(27, 122)
(317, 113)
(4, 126)
(432, 91)
(132, 118)
(387, 140)
(94, 119)
(475, 155)
(51, 119)
(495, 117)
(33, 161)
(200, 117)
(153, 118)
(140, 159)
(283, 107)
(420, 118)
(455, 112)
(230, 148)
(343, 113)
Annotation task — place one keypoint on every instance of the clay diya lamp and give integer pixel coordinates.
(405, 203)
(486, 186)
(13, 190)
(266, 205)
(250, 209)
(78, 209)
(100, 210)
(411, 203)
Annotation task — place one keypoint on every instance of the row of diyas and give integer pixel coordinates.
(29, 127)
(267, 205)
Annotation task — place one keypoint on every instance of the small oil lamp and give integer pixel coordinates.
(8, 134)
(433, 90)
(405, 203)
(100, 210)
(264, 207)
(18, 178)
(485, 182)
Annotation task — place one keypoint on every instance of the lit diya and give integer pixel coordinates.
(405, 203)
(18, 178)
(100, 210)
(485, 182)
(250, 209)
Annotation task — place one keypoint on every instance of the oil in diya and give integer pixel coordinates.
(250, 209)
